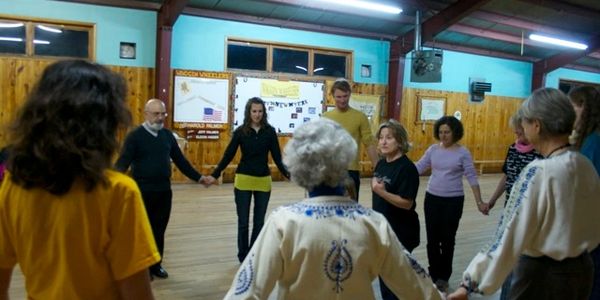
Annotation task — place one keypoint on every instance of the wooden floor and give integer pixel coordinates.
(200, 253)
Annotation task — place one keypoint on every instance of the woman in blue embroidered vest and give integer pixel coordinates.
(256, 138)
(550, 221)
(586, 102)
(327, 246)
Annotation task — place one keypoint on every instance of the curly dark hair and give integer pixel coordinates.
(247, 126)
(455, 126)
(66, 130)
(589, 121)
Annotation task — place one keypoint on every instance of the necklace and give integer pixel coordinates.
(558, 148)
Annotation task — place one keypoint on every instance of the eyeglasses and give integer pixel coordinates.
(157, 113)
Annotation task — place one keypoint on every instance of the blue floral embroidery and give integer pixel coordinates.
(326, 210)
(471, 285)
(415, 265)
(338, 264)
(512, 208)
(245, 277)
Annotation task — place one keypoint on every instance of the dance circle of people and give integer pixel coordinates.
(81, 229)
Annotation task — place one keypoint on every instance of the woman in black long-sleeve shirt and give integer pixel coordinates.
(256, 138)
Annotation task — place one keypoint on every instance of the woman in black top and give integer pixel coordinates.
(395, 184)
(256, 138)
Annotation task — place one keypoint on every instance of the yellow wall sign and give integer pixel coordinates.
(279, 89)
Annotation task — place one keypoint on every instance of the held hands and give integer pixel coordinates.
(207, 181)
(459, 294)
(483, 207)
(491, 204)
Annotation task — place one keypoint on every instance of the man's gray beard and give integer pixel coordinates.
(156, 126)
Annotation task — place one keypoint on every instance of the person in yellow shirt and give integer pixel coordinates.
(77, 229)
(357, 125)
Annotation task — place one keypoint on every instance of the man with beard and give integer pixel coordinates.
(149, 150)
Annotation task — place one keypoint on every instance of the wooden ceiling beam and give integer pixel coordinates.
(523, 24)
(480, 51)
(595, 55)
(573, 9)
(583, 68)
(438, 23)
(401, 46)
(135, 4)
(495, 35)
(285, 24)
(324, 6)
(545, 66)
(170, 11)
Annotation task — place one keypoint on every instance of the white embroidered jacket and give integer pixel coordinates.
(328, 247)
(552, 211)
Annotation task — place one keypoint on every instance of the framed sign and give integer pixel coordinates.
(201, 99)
(430, 108)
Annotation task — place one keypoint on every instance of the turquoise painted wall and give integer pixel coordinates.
(113, 25)
(509, 78)
(553, 77)
(200, 45)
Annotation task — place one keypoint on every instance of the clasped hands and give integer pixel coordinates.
(207, 181)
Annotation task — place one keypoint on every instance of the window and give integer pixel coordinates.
(289, 59)
(566, 85)
(330, 65)
(12, 37)
(46, 38)
(247, 57)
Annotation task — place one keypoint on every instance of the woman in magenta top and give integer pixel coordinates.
(445, 196)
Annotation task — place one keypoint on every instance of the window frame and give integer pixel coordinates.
(308, 59)
(348, 54)
(30, 24)
(250, 44)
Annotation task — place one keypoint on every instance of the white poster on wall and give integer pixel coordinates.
(288, 103)
(200, 100)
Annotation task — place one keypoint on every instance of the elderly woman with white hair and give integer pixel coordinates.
(550, 221)
(326, 246)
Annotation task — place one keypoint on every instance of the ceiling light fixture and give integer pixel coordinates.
(367, 5)
(318, 69)
(302, 68)
(41, 42)
(11, 25)
(46, 28)
(555, 41)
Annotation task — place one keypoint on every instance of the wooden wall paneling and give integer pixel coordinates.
(17, 78)
(487, 134)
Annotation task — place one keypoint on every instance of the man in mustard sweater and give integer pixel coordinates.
(356, 123)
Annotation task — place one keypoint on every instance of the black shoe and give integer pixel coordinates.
(159, 272)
